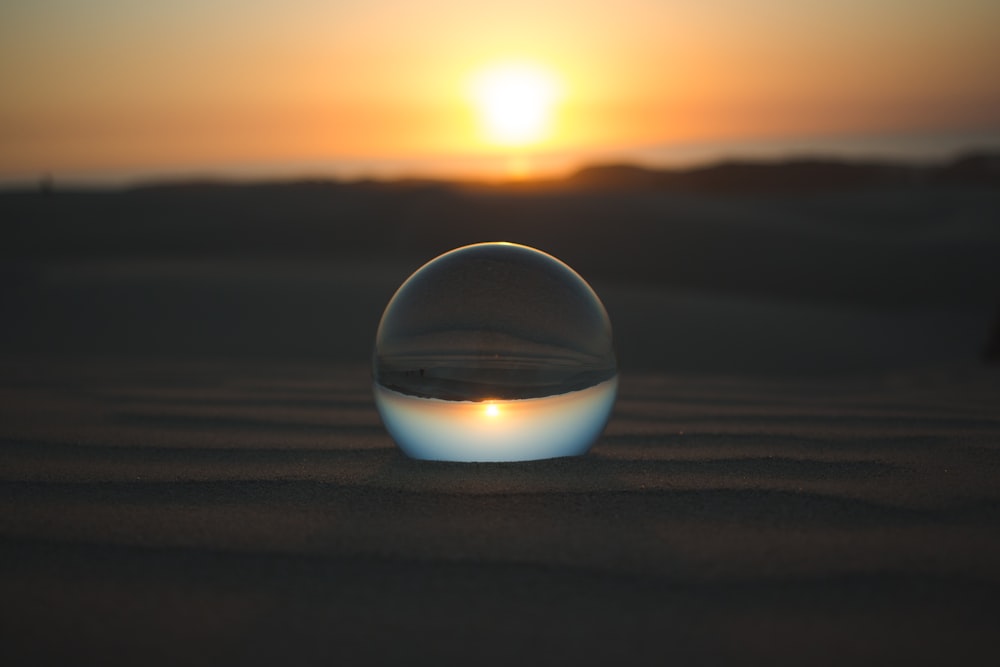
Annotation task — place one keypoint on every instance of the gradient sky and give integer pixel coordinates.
(117, 84)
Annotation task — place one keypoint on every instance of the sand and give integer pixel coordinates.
(192, 471)
(256, 512)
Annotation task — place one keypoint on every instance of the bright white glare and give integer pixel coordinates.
(515, 103)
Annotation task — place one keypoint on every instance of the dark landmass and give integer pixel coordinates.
(489, 384)
(793, 177)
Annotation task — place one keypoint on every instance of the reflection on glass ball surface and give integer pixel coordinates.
(494, 352)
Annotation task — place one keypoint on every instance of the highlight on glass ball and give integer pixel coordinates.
(494, 352)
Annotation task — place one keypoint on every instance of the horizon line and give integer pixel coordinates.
(915, 148)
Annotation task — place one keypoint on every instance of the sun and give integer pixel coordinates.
(515, 102)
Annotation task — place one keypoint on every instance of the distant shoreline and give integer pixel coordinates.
(742, 176)
(912, 149)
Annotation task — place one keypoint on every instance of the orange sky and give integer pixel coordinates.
(113, 84)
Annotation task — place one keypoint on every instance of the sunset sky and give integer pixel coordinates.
(183, 85)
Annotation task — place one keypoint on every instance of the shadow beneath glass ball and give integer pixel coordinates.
(569, 473)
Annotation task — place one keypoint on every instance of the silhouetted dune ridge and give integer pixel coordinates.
(806, 174)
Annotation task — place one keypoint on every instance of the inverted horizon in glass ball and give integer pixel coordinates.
(494, 352)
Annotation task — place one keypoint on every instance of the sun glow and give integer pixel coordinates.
(515, 103)
(492, 410)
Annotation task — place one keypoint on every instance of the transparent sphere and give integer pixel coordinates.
(494, 352)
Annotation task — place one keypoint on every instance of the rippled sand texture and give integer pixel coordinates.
(259, 513)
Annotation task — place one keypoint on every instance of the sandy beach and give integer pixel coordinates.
(192, 469)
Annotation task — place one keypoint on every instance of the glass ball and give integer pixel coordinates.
(494, 352)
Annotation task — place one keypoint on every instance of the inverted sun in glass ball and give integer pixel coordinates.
(494, 352)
